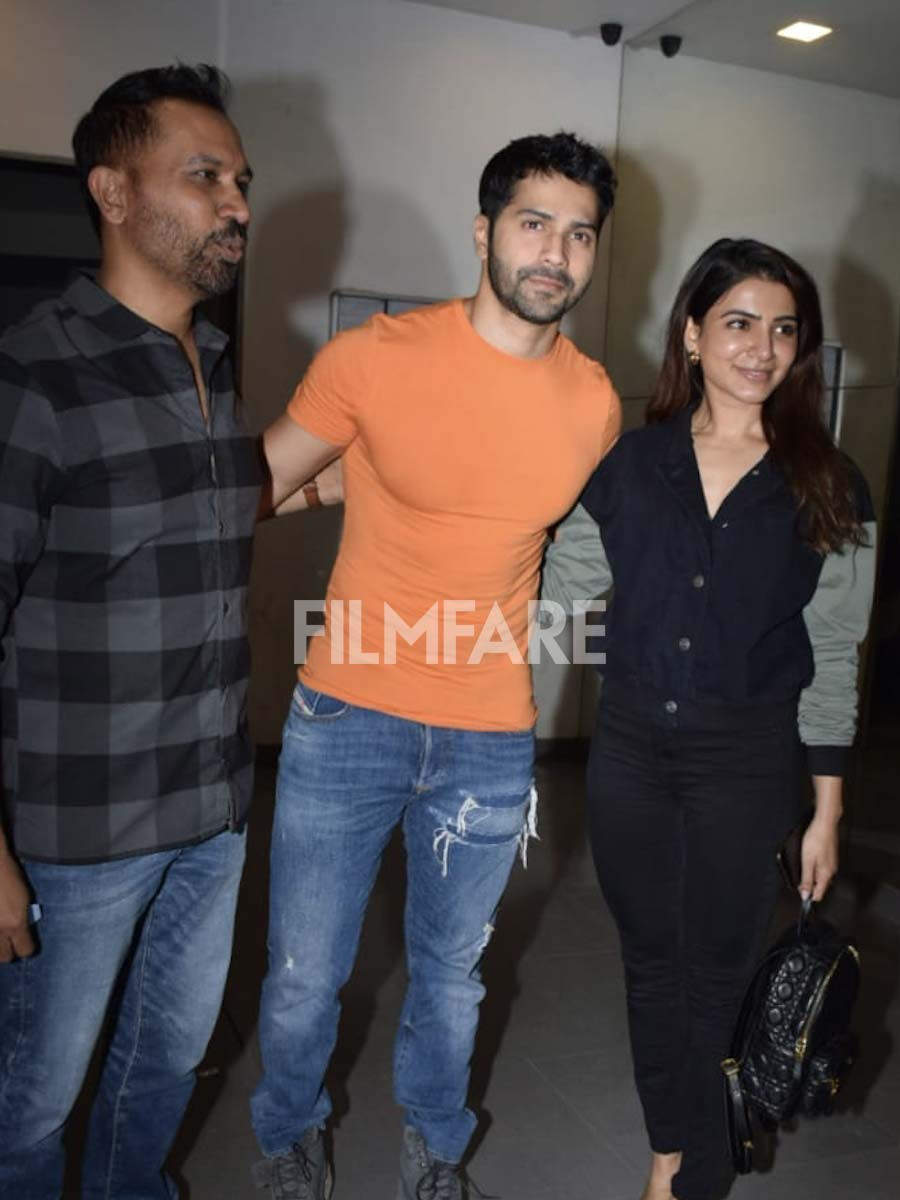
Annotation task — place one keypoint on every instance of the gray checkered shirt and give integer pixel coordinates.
(125, 542)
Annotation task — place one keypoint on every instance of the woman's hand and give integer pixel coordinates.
(819, 849)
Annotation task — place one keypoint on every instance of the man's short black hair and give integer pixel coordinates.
(121, 120)
(545, 154)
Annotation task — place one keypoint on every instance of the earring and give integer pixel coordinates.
(693, 358)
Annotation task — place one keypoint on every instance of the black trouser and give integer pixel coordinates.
(687, 811)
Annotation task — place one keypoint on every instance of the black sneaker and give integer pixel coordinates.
(423, 1177)
(303, 1174)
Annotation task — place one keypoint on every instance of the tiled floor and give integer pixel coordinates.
(552, 1074)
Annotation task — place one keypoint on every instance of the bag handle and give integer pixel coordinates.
(740, 1133)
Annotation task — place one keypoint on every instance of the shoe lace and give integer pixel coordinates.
(443, 1181)
(294, 1174)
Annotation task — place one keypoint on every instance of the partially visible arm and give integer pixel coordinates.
(327, 399)
(293, 456)
(819, 848)
(836, 620)
(30, 477)
(15, 936)
(576, 569)
(328, 489)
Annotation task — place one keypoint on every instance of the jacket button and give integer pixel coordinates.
(723, 525)
(671, 706)
(684, 643)
(699, 581)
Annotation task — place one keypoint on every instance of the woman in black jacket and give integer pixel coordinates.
(740, 544)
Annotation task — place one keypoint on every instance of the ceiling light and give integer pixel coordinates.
(804, 31)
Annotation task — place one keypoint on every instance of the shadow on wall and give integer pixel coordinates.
(298, 230)
(867, 307)
(865, 322)
(647, 265)
(310, 234)
(586, 324)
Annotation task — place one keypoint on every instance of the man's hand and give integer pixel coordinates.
(15, 936)
(330, 483)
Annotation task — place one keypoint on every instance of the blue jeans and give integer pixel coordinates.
(165, 918)
(347, 776)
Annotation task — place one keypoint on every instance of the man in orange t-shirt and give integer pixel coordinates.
(466, 428)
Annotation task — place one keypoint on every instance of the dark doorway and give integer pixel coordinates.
(46, 236)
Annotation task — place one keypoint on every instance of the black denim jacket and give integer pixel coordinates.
(736, 609)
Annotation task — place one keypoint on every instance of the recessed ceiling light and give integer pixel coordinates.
(804, 31)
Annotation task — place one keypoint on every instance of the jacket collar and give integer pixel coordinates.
(678, 466)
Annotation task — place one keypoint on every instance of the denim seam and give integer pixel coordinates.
(23, 1017)
(135, 1050)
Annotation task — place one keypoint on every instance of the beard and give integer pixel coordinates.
(538, 308)
(196, 262)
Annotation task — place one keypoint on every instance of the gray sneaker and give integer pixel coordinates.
(423, 1177)
(302, 1174)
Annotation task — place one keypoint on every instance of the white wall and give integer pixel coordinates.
(56, 57)
(367, 123)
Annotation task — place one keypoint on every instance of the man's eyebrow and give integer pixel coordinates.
(535, 212)
(210, 160)
(546, 216)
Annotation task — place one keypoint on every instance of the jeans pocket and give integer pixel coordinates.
(317, 706)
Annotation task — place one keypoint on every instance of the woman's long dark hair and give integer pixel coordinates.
(800, 444)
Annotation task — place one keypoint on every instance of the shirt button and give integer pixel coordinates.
(698, 581)
(684, 643)
(671, 706)
(221, 527)
(225, 606)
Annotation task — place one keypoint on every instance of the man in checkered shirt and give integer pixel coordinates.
(129, 488)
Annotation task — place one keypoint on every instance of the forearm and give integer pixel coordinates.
(323, 490)
(293, 457)
(819, 848)
(303, 498)
(828, 791)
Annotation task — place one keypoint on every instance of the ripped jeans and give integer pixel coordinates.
(347, 776)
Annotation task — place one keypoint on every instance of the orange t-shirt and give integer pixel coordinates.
(457, 458)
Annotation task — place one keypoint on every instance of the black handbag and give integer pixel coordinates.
(792, 1047)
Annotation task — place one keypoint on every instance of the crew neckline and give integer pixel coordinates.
(527, 362)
